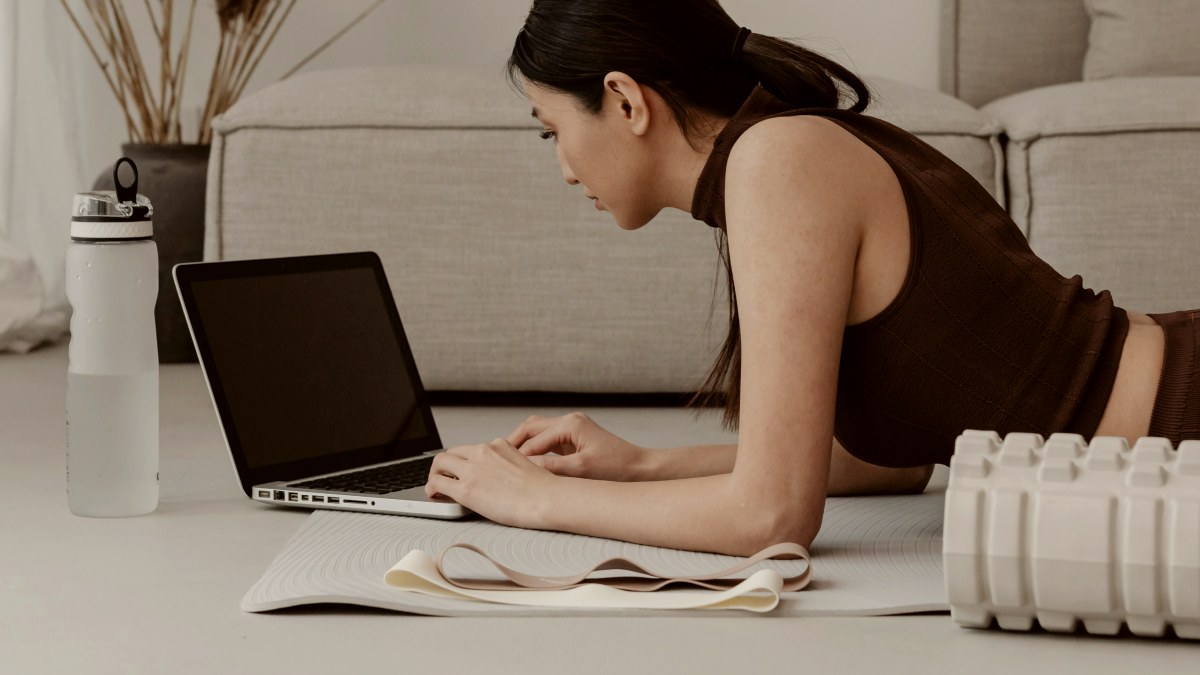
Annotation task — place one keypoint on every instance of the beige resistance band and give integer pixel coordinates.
(716, 581)
(760, 592)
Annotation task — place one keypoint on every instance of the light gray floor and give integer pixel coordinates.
(161, 592)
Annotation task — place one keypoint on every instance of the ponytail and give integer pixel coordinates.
(801, 76)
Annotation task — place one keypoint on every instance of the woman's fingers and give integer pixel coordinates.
(538, 435)
(447, 464)
(441, 485)
(443, 474)
(453, 464)
(562, 465)
(551, 440)
(531, 427)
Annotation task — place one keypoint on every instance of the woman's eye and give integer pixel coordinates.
(547, 135)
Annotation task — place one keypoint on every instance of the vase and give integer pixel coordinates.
(173, 177)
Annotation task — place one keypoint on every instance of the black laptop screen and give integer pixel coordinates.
(310, 367)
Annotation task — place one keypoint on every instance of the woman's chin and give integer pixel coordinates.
(636, 223)
(627, 221)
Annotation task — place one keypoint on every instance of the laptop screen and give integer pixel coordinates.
(310, 363)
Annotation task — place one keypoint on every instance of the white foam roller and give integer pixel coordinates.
(1066, 532)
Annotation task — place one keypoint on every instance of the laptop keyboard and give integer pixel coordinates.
(376, 480)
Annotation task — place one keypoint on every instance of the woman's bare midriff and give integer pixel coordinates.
(1129, 406)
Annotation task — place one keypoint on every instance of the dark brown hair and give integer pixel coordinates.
(683, 50)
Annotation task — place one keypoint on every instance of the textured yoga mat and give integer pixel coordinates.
(873, 556)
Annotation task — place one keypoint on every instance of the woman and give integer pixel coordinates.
(884, 301)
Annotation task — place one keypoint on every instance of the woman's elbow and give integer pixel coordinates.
(791, 523)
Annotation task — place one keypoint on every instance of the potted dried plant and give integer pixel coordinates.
(172, 172)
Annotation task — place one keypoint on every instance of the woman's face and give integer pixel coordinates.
(607, 153)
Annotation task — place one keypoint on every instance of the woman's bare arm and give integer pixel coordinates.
(702, 512)
(708, 513)
(690, 461)
(848, 475)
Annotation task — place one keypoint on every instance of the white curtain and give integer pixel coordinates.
(46, 155)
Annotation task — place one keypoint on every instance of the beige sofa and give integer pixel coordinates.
(506, 278)
(1102, 175)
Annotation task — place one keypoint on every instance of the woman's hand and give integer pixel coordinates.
(494, 480)
(585, 450)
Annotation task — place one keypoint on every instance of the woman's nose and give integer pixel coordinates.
(568, 175)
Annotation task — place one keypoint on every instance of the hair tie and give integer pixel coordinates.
(739, 42)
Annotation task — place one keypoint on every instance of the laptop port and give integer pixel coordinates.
(279, 495)
(292, 497)
(303, 498)
(318, 499)
(356, 501)
(335, 500)
(264, 494)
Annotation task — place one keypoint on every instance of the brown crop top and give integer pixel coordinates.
(983, 334)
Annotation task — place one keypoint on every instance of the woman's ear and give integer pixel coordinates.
(624, 95)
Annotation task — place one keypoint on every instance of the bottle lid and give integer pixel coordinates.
(120, 214)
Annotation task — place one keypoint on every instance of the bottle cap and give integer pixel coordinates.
(120, 214)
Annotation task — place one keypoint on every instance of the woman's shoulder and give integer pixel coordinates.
(799, 137)
(816, 149)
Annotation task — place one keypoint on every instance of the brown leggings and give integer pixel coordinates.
(1176, 414)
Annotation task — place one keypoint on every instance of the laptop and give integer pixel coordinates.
(314, 383)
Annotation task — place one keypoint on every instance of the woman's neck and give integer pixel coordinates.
(681, 164)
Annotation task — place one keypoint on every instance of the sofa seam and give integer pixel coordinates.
(968, 134)
(998, 168)
(405, 127)
(957, 5)
(1028, 176)
(1106, 132)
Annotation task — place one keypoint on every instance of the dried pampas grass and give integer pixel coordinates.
(247, 29)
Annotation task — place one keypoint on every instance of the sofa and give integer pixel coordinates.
(1100, 105)
(509, 282)
(506, 278)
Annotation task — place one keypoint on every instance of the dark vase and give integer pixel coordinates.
(174, 178)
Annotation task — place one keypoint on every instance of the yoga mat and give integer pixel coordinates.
(873, 556)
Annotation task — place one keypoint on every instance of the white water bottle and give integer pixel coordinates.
(112, 379)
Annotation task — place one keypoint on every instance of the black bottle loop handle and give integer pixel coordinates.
(125, 194)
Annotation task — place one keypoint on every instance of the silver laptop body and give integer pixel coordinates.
(313, 382)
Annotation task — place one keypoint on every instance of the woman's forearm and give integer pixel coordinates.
(847, 474)
(709, 513)
(692, 461)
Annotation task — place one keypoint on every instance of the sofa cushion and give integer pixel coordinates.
(1143, 104)
(416, 97)
(1138, 38)
(993, 48)
(507, 278)
(1102, 177)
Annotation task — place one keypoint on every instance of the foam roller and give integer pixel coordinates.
(1065, 532)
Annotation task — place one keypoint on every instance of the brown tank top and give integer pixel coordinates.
(983, 334)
